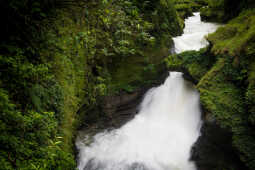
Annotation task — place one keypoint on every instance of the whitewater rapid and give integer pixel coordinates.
(161, 135)
(158, 138)
(193, 37)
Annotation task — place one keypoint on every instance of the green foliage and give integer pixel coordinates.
(250, 93)
(184, 10)
(27, 139)
(196, 63)
(186, 7)
(222, 95)
(224, 10)
(225, 75)
(58, 56)
(29, 125)
(162, 14)
(215, 11)
(226, 81)
(235, 37)
(22, 20)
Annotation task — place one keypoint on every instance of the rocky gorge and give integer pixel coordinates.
(86, 65)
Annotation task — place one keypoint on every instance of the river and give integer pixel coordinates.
(161, 135)
(193, 37)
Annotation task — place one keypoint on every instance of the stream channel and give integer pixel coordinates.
(168, 123)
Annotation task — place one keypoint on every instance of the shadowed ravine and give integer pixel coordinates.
(161, 135)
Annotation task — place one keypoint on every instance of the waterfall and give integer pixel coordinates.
(193, 37)
(158, 138)
(161, 135)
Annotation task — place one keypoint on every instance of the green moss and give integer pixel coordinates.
(196, 63)
(215, 15)
(224, 10)
(250, 93)
(84, 51)
(186, 7)
(215, 11)
(136, 71)
(68, 65)
(226, 78)
(221, 97)
(226, 82)
(184, 10)
(122, 77)
(33, 136)
(236, 37)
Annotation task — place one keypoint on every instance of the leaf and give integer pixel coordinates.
(58, 142)
(36, 10)
(105, 1)
(43, 14)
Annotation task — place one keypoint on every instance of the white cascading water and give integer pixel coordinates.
(158, 138)
(193, 34)
(161, 135)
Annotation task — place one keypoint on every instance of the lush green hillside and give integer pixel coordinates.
(225, 75)
(57, 56)
(224, 10)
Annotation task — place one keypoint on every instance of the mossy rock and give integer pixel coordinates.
(211, 15)
(185, 8)
(236, 37)
(221, 97)
(194, 63)
(225, 75)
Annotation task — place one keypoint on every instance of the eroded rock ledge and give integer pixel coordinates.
(213, 149)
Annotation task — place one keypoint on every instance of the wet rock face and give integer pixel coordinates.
(123, 107)
(114, 111)
(213, 150)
